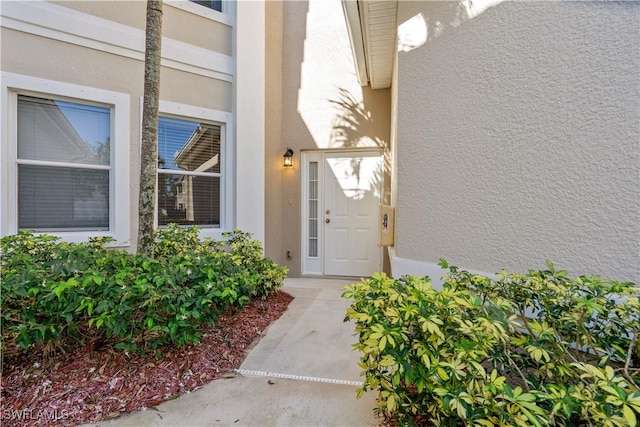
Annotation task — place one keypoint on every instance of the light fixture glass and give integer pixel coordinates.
(288, 155)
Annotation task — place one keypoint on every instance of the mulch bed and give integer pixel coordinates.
(71, 387)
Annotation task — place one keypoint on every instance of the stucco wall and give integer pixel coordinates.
(178, 24)
(273, 128)
(37, 56)
(519, 137)
(321, 105)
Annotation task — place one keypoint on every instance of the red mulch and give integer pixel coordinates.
(90, 385)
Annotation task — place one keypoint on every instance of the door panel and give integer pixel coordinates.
(351, 201)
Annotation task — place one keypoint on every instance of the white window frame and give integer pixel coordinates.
(119, 213)
(223, 119)
(224, 17)
(312, 265)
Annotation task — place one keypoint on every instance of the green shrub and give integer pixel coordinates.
(261, 274)
(527, 350)
(54, 291)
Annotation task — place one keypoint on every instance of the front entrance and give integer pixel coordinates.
(342, 192)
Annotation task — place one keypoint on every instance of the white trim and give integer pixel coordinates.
(352, 16)
(311, 265)
(249, 106)
(63, 24)
(225, 121)
(411, 267)
(190, 111)
(119, 211)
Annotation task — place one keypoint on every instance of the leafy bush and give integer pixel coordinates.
(527, 350)
(53, 290)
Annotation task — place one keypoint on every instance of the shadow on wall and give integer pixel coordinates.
(355, 126)
(285, 128)
(417, 30)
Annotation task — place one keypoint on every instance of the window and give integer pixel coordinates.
(312, 242)
(313, 209)
(211, 4)
(195, 168)
(189, 172)
(65, 163)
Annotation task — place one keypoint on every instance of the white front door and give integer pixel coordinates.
(341, 198)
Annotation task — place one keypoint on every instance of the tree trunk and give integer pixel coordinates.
(149, 148)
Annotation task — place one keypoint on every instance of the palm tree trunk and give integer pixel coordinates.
(149, 148)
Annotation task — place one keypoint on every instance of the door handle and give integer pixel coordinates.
(327, 220)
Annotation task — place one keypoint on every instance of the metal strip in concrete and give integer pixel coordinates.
(298, 377)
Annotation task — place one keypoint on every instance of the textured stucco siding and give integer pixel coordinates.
(31, 55)
(314, 101)
(518, 138)
(177, 24)
(273, 127)
(59, 61)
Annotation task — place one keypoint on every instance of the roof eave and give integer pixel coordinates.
(352, 16)
(369, 20)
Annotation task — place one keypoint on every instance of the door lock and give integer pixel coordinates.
(327, 220)
(328, 211)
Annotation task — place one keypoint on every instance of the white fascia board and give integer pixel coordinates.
(352, 17)
(60, 23)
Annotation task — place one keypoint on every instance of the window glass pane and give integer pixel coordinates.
(313, 248)
(189, 146)
(313, 171)
(313, 209)
(313, 228)
(188, 200)
(62, 131)
(313, 189)
(211, 4)
(52, 198)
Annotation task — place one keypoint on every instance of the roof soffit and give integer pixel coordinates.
(372, 26)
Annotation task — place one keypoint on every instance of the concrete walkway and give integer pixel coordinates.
(303, 372)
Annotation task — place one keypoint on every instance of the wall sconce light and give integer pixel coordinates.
(288, 155)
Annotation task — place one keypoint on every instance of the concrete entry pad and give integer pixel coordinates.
(311, 338)
(302, 372)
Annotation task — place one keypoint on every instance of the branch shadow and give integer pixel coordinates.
(357, 126)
